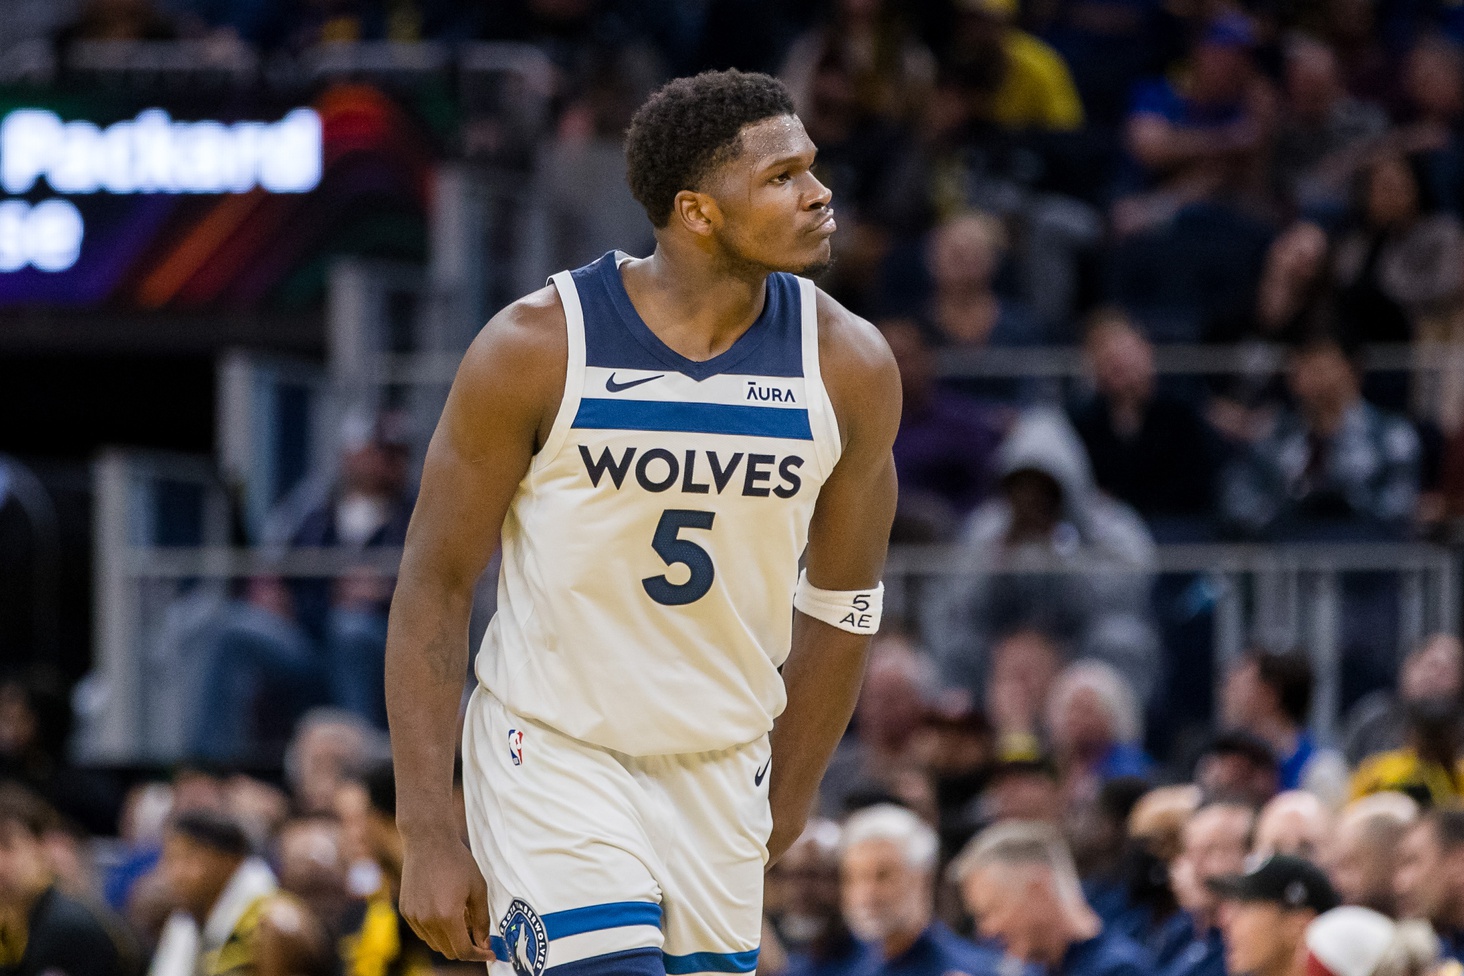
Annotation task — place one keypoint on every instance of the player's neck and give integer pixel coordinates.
(692, 305)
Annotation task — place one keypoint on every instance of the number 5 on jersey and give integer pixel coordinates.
(673, 550)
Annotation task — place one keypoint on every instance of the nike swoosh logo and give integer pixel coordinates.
(615, 387)
(758, 776)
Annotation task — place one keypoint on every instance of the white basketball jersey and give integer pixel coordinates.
(649, 558)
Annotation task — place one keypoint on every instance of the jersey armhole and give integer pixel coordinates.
(574, 368)
(821, 418)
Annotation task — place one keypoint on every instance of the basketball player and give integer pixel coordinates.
(656, 441)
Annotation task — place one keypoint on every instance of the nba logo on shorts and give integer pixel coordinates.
(523, 935)
(516, 746)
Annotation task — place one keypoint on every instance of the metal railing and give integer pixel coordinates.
(1290, 594)
(1297, 594)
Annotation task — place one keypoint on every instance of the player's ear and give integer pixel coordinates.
(697, 212)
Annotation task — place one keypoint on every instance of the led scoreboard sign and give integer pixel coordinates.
(45, 161)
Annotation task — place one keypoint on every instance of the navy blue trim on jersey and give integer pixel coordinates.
(626, 962)
(592, 918)
(692, 418)
(616, 337)
(711, 962)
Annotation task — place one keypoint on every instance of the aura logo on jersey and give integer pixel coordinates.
(525, 939)
(696, 472)
(769, 394)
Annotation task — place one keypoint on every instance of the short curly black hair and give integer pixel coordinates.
(689, 127)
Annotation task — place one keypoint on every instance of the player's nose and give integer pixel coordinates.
(819, 195)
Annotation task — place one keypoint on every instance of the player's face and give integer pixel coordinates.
(775, 214)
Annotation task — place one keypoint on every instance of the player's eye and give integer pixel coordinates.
(783, 177)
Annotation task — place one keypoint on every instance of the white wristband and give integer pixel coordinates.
(857, 611)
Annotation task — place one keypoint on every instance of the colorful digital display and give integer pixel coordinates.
(153, 212)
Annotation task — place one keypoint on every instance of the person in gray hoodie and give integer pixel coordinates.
(1049, 551)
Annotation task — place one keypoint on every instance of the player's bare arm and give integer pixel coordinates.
(499, 411)
(847, 541)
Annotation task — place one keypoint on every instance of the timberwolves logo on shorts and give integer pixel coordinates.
(523, 934)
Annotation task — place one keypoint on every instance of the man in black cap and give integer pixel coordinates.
(1265, 912)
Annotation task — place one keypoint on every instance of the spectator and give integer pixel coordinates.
(310, 857)
(1324, 131)
(898, 683)
(1334, 461)
(888, 870)
(1204, 140)
(1294, 823)
(232, 916)
(586, 206)
(369, 507)
(1150, 912)
(1432, 106)
(891, 70)
(1214, 845)
(811, 925)
(44, 931)
(377, 940)
(336, 22)
(1024, 665)
(329, 748)
(1403, 260)
(1269, 694)
(1294, 279)
(945, 447)
(1291, 295)
(1025, 85)
(1429, 767)
(1353, 941)
(118, 20)
(1147, 448)
(1018, 881)
(35, 728)
(1430, 879)
(1047, 520)
(964, 254)
(1362, 854)
(1379, 721)
(1101, 846)
(1265, 914)
(1238, 764)
(261, 672)
(1095, 727)
(1021, 786)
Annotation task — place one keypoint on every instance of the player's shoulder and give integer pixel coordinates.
(849, 343)
(526, 340)
(857, 366)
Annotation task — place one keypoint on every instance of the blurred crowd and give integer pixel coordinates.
(1031, 784)
(1035, 834)
(1029, 834)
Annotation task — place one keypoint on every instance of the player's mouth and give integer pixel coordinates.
(826, 226)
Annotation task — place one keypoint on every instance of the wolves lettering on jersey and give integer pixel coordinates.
(658, 469)
(650, 555)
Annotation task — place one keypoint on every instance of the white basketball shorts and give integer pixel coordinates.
(601, 863)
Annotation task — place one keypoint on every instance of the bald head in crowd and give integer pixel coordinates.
(1362, 853)
(1294, 822)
